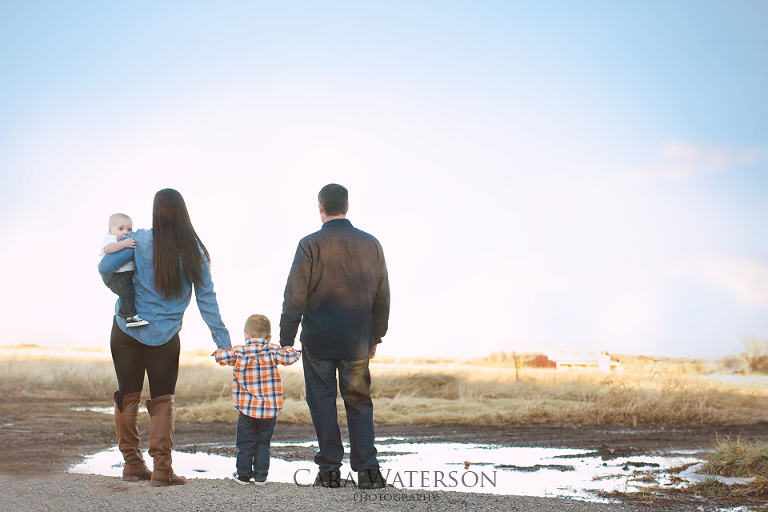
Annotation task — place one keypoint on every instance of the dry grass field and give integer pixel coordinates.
(648, 392)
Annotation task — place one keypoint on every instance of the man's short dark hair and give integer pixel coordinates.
(334, 198)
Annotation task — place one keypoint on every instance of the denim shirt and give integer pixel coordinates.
(164, 314)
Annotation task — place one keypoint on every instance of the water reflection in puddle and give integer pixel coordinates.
(544, 472)
(101, 410)
(194, 465)
(522, 471)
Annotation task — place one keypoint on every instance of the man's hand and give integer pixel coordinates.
(129, 243)
(373, 352)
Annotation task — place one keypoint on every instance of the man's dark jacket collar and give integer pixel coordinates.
(337, 223)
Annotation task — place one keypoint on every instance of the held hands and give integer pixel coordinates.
(373, 352)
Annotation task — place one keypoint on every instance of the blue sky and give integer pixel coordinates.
(543, 176)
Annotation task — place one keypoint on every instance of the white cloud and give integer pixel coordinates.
(629, 319)
(745, 278)
(681, 161)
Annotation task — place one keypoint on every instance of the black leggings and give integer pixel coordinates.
(132, 358)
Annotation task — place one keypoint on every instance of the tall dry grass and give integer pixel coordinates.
(52, 372)
(735, 458)
(653, 393)
(91, 374)
(467, 393)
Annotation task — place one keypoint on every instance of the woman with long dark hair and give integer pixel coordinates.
(170, 260)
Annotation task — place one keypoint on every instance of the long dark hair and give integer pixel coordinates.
(175, 245)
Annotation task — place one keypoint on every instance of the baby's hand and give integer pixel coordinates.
(129, 243)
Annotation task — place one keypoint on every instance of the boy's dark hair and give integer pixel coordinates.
(258, 326)
(334, 198)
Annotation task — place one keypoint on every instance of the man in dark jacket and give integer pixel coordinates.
(339, 290)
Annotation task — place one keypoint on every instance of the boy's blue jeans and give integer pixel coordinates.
(355, 386)
(252, 441)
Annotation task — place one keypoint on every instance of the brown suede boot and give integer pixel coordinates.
(127, 430)
(161, 440)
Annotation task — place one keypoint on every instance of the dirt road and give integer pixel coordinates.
(41, 437)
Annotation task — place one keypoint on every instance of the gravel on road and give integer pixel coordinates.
(66, 492)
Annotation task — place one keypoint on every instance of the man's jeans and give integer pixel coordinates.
(252, 441)
(355, 386)
(121, 283)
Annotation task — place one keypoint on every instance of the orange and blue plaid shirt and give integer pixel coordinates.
(256, 387)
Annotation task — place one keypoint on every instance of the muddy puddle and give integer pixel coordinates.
(483, 468)
(100, 410)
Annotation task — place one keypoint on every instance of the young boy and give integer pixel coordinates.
(121, 282)
(258, 395)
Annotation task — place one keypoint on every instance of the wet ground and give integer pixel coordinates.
(39, 435)
(490, 469)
